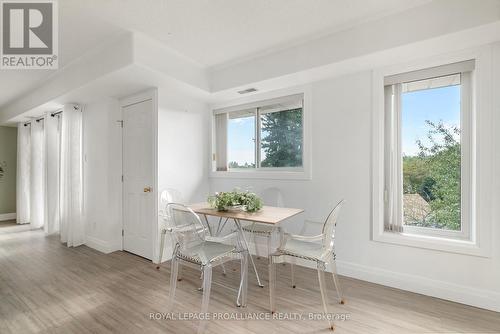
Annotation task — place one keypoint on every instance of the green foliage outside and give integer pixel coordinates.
(282, 138)
(434, 174)
(234, 164)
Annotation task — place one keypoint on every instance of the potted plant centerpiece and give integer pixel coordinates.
(235, 200)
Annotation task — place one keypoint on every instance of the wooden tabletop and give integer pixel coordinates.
(266, 215)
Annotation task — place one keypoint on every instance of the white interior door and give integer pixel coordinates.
(138, 178)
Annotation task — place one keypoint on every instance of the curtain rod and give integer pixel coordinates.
(56, 113)
(52, 114)
(36, 120)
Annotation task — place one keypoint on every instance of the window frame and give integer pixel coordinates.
(479, 242)
(261, 100)
(466, 71)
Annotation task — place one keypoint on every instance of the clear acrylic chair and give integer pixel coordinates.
(308, 228)
(319, 249)
(194, 246)
(271, 197)
(166, 196)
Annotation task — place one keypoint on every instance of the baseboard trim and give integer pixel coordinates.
(486, 299)
(8, 216)
(15, 228)
(101, 245)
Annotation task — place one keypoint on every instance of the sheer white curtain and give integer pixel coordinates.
(393, 175)
(72, 227)
(52, 150)
(37, 175)
(23, 173)
(221, 142)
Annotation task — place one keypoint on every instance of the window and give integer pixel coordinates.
(241, 139)
(427, 151)
(266, 135)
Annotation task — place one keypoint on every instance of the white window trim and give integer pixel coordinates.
(481, 215)
(279, 173)
(466, 139)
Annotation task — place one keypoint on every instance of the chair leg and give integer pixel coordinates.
(336, 283)
(324, 297)
(243, 280)
(179, 275)
(269, 241)
(281, 239)
(162, 244)
(173, 280)
(272, 284)
(201, 278)
(254, 237)
(292, 269)
(223, 269)
(241, 300)
(207, 284)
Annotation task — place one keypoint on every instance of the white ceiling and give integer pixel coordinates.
(209, 32)
(78, 33)
(213, 32)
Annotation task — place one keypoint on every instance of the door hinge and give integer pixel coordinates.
(123, 232)
(121, 123)
(122, 177)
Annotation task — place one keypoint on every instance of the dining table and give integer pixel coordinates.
(266, 215)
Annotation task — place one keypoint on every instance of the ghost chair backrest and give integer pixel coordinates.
(185, 226)
(329, 227)
(272, 197)
(169, 195)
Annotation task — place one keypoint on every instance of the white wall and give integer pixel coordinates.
(182, 161)
(102, 170)
(183, 148)
(182, 152)
(341, 168)
(341, 164)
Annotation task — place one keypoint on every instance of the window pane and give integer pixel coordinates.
(241, 139)
(281, 138)
(430, 139)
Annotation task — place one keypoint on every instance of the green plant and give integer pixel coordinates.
(282, 138)
(435, 174)
(223, 201)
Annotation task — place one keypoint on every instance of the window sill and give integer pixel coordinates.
(263, 174)
(457, 246)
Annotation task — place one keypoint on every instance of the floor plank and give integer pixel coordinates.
(46, 287)
(7, 223)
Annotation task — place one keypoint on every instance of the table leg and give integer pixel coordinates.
(240, 228)
(208, 225)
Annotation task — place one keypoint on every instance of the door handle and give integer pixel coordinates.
(148, 189)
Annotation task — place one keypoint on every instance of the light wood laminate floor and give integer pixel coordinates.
(48, 288)
(7, 223)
